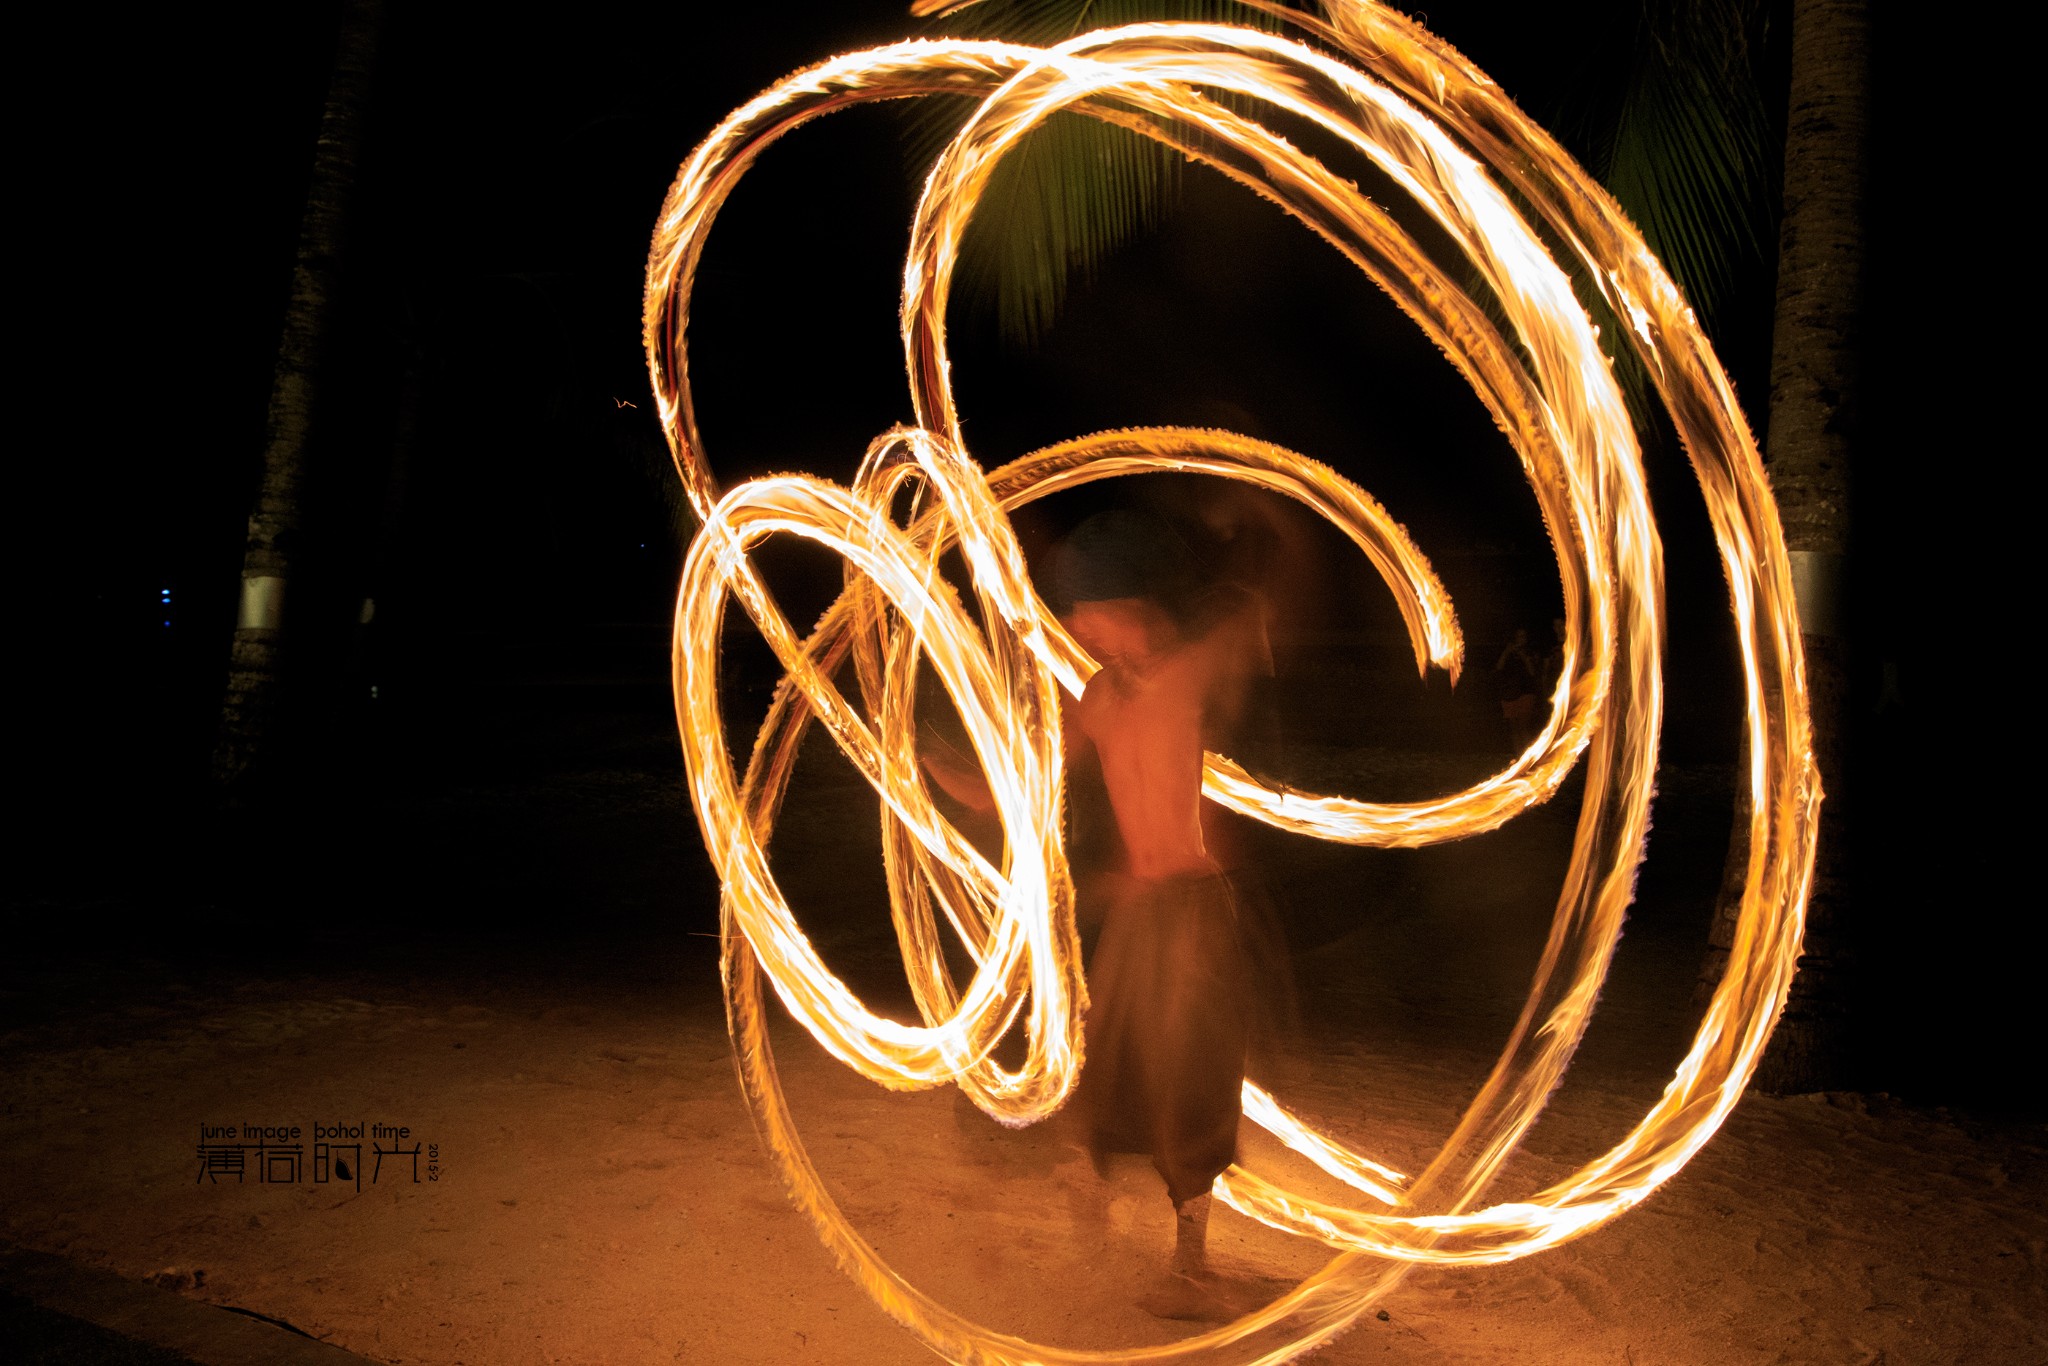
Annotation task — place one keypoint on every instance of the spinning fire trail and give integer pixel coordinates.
(1442, 132)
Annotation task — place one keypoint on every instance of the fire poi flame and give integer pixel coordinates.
(1446, 135)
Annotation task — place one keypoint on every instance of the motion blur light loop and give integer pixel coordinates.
(1440, 131)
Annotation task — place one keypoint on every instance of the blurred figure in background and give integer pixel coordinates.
(1514, 680)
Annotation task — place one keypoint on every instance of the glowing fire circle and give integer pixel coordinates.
(1439, 129)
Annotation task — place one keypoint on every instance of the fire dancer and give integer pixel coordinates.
(1172, 976)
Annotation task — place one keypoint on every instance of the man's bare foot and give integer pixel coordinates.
(1209, 1296)
(1178, 1295)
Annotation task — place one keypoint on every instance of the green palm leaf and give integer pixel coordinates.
(1683, 140)
(1077, 189)
(1689, 149)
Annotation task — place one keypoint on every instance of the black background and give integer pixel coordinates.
(515, 165)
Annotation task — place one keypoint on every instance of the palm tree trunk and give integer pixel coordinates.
(1816, 365)
(258, 696)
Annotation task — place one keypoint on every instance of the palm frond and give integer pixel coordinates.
(1683, 141)
(1690, 154)
(1077, 189)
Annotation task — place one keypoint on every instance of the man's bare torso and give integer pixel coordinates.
(1147, 717)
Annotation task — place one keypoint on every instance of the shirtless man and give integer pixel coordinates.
(1170, 978)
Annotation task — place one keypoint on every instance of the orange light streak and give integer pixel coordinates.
(1442, 132)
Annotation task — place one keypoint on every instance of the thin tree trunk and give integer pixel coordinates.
(259, 666)
(1816, 365)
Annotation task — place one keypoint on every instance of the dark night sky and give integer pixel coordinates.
(512, 176)
(516, 165)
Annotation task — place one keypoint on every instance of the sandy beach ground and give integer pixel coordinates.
(590, 1189)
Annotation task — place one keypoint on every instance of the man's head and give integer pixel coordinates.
(1122, 577)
